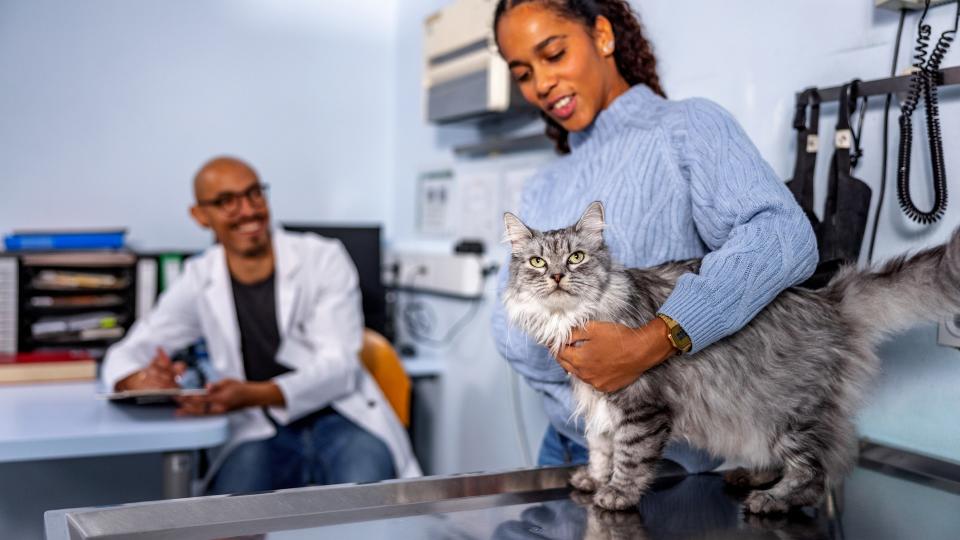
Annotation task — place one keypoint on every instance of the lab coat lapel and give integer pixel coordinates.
(219, 296)
(288, 263)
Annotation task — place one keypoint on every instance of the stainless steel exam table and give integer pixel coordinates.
(891, 495)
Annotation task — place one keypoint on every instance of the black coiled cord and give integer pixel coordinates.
(925, 79)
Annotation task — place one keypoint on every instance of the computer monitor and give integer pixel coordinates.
(363, 245)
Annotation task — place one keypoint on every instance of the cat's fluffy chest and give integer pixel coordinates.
(553, 329)
(549, 327)
(599, 415)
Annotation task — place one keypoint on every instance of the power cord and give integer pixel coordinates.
(886, 138)
(520, 424)
(925, 80)
(419, 318)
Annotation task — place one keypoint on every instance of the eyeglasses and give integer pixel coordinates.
(229, 203)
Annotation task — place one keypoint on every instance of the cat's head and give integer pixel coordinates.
(560, 269)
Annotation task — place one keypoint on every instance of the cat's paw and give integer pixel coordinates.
(612, 498)
(610, 519)
(742, 478)
(762, 502)
(739, 477)
(581, 498)
(582, 480)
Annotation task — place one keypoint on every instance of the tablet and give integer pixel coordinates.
(157, 396)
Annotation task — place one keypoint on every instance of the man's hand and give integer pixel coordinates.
(160, 373)
(610, 356)
(228, 395)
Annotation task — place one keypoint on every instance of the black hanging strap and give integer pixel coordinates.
(848, 198)
(808, 143)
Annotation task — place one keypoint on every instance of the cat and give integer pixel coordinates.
(778, 395)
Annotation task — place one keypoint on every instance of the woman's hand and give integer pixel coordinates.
(610, 356)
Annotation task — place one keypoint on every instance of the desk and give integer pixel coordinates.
(67, 420)
(424, 364)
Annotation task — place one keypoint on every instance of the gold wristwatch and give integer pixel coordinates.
(677, 335)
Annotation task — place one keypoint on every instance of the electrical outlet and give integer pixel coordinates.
(949, 332)
(897, 5)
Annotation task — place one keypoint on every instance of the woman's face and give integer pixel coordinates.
(559, 66)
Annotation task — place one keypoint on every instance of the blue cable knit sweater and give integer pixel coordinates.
(679, 180)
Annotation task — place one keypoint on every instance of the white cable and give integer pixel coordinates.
(520, 424)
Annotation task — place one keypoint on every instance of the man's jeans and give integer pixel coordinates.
(321, 448)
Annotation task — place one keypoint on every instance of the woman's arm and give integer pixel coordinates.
(761, 241)
(761, 244)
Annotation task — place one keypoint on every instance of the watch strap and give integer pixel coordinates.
(676, 334)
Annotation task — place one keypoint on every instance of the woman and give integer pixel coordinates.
(679, 180)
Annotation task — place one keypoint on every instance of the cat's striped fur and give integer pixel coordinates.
(780, 394)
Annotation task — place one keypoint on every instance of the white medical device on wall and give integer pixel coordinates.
(464, 77)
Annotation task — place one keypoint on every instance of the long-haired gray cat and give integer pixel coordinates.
(779, 395)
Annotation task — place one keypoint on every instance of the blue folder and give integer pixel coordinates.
(46, 241)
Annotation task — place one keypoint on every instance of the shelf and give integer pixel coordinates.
(72, 342)
(40, 311)
(34, 290)
(503, 145)
(93, 259)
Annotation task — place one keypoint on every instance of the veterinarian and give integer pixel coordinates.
(280, 314)
(679, 180)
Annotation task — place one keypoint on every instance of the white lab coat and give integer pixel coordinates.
(321, 327)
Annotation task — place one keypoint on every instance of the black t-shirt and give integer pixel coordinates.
(259, 336)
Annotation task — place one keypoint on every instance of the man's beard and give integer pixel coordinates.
(256, 252)
(259, 250)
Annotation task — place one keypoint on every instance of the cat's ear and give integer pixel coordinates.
(591, 222)
(515, 232)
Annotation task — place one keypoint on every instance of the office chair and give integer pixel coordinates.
(383, 363)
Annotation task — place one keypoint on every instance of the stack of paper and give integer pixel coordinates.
(84, 327)
(58, 279)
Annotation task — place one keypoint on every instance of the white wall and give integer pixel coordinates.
(108, 108)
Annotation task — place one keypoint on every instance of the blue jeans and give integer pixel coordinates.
(557, 449)
(321, 448)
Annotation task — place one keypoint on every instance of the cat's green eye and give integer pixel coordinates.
(576, 257)
(537, 262)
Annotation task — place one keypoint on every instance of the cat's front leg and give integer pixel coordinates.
(638, 443)
(598, 471)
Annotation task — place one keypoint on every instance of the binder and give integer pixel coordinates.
(64, 240)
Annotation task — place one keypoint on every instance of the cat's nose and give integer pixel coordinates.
(556, 277)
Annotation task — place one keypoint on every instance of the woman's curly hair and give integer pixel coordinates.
(633, 53)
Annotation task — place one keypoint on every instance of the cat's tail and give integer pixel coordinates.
(902, 292)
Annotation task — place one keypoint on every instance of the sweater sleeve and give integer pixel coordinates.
(760, 240)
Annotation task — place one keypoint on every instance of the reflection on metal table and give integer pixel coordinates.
(888, 496)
